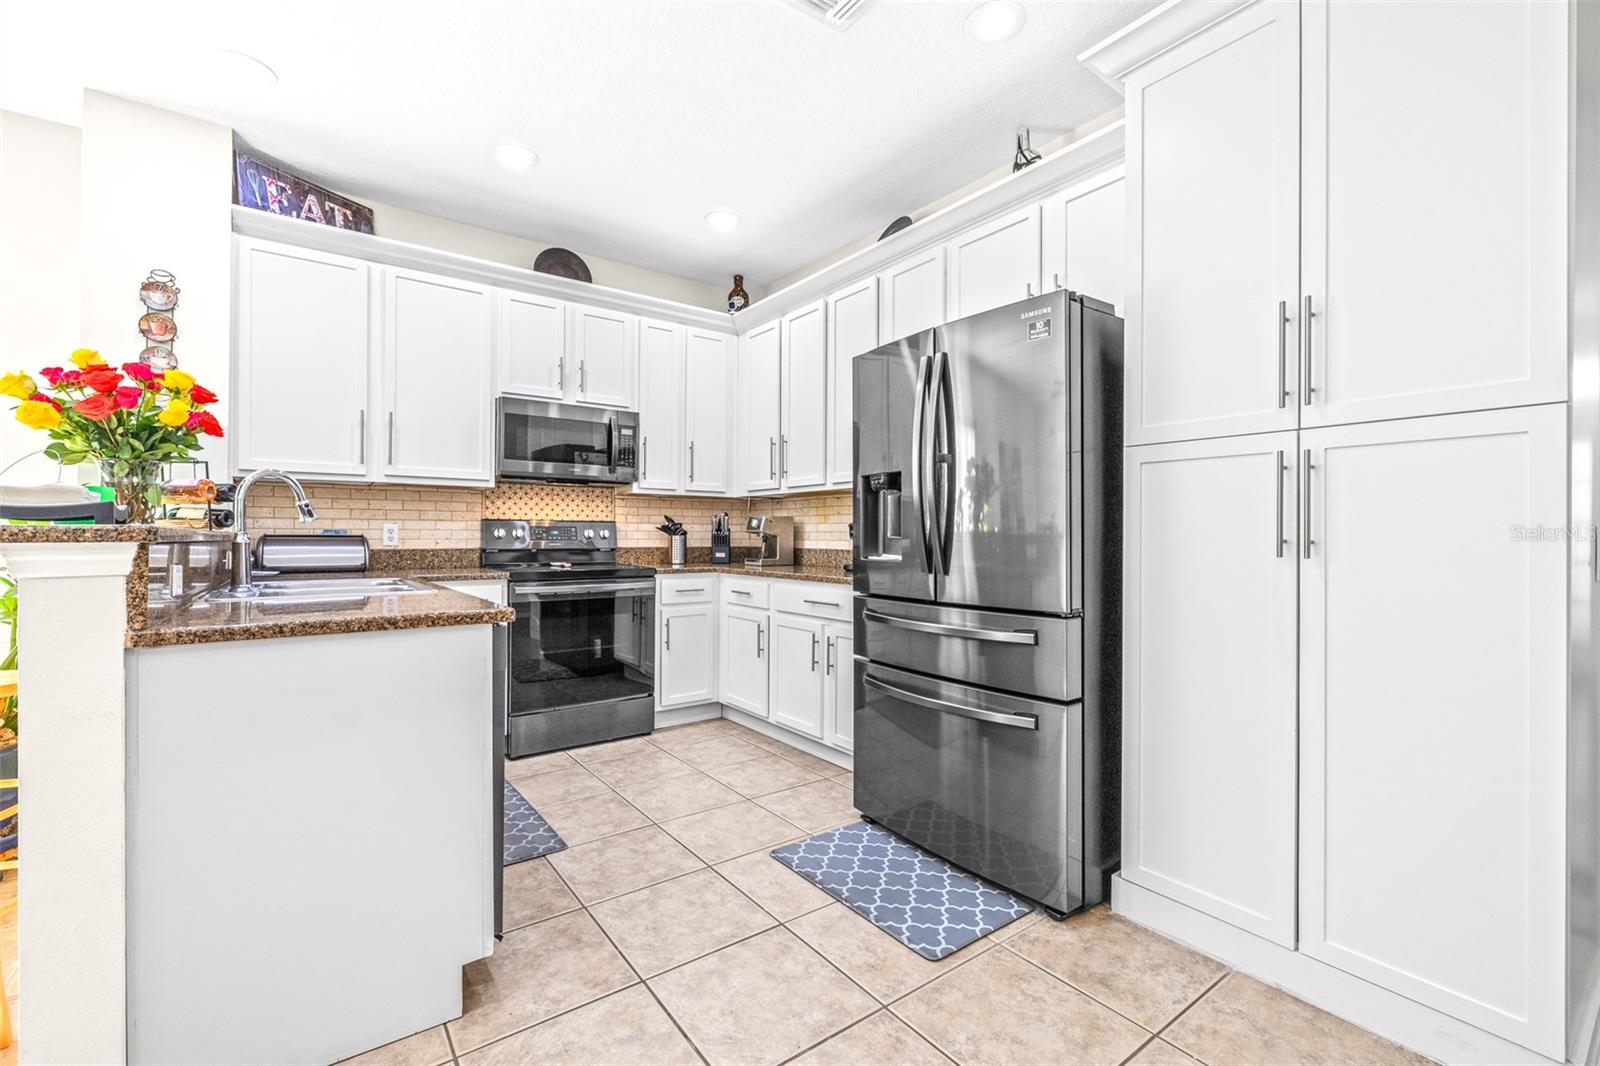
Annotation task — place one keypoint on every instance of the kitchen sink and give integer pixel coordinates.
(323, 590)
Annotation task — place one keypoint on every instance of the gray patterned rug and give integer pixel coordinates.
(528, 835)
(925, 903)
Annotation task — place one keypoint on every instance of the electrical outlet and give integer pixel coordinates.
(391, 534)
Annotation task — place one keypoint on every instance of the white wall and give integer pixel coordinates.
(155, 193)
(40, 238)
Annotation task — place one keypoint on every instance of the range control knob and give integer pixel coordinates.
(605, 534)
(588, 534)
(499, 533)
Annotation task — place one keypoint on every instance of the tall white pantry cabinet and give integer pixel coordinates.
(1358, 688)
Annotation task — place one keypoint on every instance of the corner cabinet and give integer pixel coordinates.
(437, 375)
(287, 297)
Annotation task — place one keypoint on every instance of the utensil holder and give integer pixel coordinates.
(680, 548)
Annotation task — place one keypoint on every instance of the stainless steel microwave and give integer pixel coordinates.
(539, 440)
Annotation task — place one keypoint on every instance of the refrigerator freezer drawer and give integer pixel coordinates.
(983, 779)
(1033, 655)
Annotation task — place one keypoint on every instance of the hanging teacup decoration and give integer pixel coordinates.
(158, 292)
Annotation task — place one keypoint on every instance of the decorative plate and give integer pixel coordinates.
(563, 264)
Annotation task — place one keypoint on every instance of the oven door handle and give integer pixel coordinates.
(560, 589)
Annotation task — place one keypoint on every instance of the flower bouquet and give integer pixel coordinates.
(129, 421)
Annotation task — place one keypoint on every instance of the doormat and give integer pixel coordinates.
(528, 835)
(922, 901)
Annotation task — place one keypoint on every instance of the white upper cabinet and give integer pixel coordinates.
(533, 345)
(1208, 677)
(709, 376)
(301, 316)
(1435, 261)
(1213, 165)
(994, 264)
(760, 406)
(912, 293)
(661, 406)
(1086, 239)
(852, 330)
(437, 379)
(1433, 713)
(803, 443)
(605, 351)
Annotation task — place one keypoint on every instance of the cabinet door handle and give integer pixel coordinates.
(561, 375)
(668, 635)
(761, 633)
(772, 458)
(644, 458)
(813, 653)
(783, 453)
(1278, 540)
(583, 376)
(829, 667)
(391, 438)
(1028, 288)
(361, 437)
(1055, 281)
(1283, 353)
(1305, 506)
(691, 460)
(1305, 384)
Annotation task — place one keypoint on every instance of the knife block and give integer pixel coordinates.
(722, 548)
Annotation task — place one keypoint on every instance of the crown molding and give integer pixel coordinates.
(1175, 21)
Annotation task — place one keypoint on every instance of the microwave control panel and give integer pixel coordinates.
(625, 446)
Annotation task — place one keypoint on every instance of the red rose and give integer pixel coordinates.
(102, 378)
(201, 394)
(70, 377)
(52, 374)
(204, 422)
(128, 396)
(40, 397)
(96, 408)
(139, 372)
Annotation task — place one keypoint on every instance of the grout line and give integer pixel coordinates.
(1087, 995)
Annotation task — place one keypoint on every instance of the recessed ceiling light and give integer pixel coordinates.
(996, 21)
(514, 156)
(243, 68)
(722, 221)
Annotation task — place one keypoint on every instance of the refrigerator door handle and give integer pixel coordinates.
(994, 636)
(943, 525)
(1016, 721)
(919, 458)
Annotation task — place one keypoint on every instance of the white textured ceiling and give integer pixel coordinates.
(645, 115)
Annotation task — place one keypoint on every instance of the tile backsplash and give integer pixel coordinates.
(448, 517)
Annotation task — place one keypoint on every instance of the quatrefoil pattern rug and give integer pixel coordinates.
(528, 835)
(925, 903)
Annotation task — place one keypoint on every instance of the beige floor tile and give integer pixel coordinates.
(870, 957)
(848, 780)
(582, 820)
(814, 807)
(1245, 1021)
(810, 761)
(611, 749)
(534, 974)
(760, 740)
(781, 892)
(1011, 929)
(716, 751)
(881, 1040)
(763, 774)
(1133, 971)
(673, 797)
(681, 735)
(639, 768)
(534, 765)
(533, 892)
(1001, 1009)
(623, 863)
(559, 786)
(1161, 1053)
(668, 924)
(727, 832)
(427, 1048)
(763, 1000)
(628, 1028)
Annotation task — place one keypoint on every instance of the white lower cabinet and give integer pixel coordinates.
(1433, 713)
(797, 676)
(838, 697)
(686, 663)
(1208, 677)
(744, 659)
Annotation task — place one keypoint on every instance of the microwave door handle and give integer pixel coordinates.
(611, 444)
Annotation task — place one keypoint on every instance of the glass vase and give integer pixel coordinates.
(137, 486)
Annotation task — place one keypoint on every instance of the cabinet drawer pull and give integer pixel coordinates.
(702, 589)
(823, 603)
(741, 592)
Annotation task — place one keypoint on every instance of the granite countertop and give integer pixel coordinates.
(200, 622)
(828, 575)
(126, 534)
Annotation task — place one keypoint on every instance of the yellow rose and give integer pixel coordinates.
(36, 414)
(177, 379)
(19, 385)
(174, 414)
(84, 358)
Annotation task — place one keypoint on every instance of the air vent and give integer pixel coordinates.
(836, 13)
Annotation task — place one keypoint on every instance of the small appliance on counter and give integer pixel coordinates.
(721, 540)
(307, 553)
(777, 540)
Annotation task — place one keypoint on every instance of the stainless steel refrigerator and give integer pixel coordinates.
(988, 455)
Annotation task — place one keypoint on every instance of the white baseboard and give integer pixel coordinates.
(1394, 1017)
(700, 712)
(793, 739)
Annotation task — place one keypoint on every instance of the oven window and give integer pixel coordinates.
(581, 648)
(547, 439)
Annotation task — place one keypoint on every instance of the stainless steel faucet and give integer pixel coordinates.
(241, 586)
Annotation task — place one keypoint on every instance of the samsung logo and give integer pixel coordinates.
(1035, 312)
